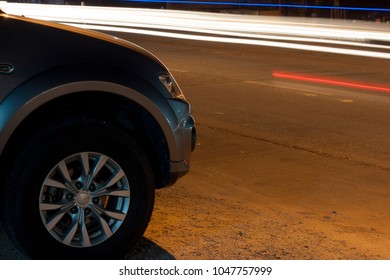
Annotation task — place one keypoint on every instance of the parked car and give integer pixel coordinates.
(90, 126)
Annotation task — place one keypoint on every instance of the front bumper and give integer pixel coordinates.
(185, 138)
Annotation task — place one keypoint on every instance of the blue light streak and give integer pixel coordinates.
(260, 5)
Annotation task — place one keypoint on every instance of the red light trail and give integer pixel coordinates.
(329, 81)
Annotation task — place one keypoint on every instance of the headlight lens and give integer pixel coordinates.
(172, 87)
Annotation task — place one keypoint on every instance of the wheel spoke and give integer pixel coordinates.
(54, 206)
(57, 217)
(78, 223)
(115, 192)
(105, 227)
(111, 214)
(71, 232)
(56, 184)
(84, 233)
(98, 166)
(115, 215)
(64, 171)
(85, 165)
(114, 179)
(110, 182)
(97, 211)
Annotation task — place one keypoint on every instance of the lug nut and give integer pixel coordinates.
(69, 196)
(92, 188)
(74, 210)
(79, 185)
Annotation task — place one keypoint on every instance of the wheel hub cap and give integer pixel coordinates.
(83, 199)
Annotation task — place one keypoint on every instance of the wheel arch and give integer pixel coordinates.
(23, 111)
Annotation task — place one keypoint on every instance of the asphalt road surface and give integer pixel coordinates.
(283, 169)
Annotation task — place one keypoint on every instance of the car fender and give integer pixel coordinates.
(25, 99)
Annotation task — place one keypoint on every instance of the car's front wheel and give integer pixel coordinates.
(79, 188)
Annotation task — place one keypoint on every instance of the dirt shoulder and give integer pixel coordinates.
(246, 199)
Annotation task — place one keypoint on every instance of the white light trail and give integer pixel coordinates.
(241, 41)
(278, 32)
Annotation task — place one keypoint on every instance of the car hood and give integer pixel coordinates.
(35, 47)
(89, 33)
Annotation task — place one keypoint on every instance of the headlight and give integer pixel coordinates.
(172, 87)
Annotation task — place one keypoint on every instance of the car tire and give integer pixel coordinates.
(80, 188)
